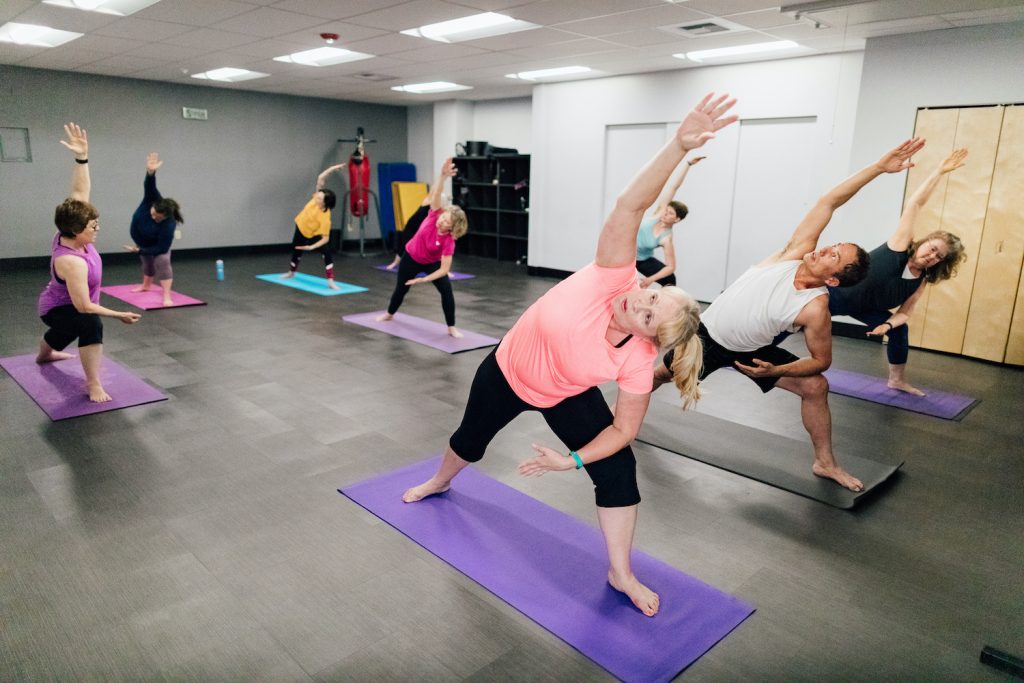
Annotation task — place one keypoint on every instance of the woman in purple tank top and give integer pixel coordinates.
(69, 305)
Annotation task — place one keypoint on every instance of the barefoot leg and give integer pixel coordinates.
(817, 419)
(617, 525)
(48, 355)
(166, 285)
(451, 465)
(147, 282)
(384, 317)
(898, 380)
(454, 332)
(331, 284)
(92, 357)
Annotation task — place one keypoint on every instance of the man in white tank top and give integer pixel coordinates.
(785, 292)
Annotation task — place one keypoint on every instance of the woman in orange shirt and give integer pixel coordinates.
(593, 327)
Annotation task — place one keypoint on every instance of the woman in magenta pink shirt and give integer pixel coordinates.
(593, 327)
(431, 250)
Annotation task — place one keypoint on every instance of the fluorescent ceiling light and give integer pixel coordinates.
(476, 26)
(121, 8)
(701, 55)
(549, 73)
(323, 56)
(37, 36)
(230, 74)
(435, 86)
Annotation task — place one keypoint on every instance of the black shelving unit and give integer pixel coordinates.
(494, 191)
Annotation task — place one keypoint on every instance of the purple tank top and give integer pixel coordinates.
(56, 292)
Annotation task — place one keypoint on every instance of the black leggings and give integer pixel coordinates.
(576, 421)
(411, 226)
(408, 268)
(67, 324)
(650, 266)
(300, 240)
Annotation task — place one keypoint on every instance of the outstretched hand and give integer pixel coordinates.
(448, 169)
(336, 167)
(898, 159)
(954, 160)
(77, 141)
(545, 460)
(153, 163)
(879, 331)
(701, 124)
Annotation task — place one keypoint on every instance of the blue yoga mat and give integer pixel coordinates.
(553, 568)
(311, 283)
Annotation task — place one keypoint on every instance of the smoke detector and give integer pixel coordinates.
(329, 38)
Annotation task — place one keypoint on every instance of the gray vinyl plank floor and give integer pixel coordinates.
(202, 538)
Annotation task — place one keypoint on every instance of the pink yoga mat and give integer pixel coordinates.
(427, 332)
(59, 388)
(150, 300)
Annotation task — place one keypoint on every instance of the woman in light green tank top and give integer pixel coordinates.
(656, 231)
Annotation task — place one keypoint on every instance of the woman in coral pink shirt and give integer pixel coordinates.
(594, 327)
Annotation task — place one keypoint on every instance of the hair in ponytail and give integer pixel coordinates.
(680, 335)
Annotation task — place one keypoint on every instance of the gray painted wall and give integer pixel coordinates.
(240, 176)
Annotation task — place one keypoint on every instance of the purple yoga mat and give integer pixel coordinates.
(553, 568)
(59, 388)
(875, 389)
(427, 332)
(451, 276)
(150, 300)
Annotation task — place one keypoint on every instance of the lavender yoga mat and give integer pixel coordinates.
(427, 332)
(553, 568)
(451, 275)
(875, 389)
(147, 301)
(59, 388)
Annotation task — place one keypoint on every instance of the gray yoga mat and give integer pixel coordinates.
(768, 458)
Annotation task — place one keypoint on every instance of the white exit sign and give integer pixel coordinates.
(193, 113)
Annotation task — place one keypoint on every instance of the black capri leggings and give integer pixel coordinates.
(300, 240)
(67, 324)
(403, 236)
(408, 268)
(650, 266)
(576, 421)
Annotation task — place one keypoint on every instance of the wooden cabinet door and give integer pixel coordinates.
(963, 213)
(938, 127)
(999, 315)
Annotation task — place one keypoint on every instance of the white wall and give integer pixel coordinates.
(453, 122)
(240, 176)
(504, 123)
(420, 132)
(570, 120)
(955, 67)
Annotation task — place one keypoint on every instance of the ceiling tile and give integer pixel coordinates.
(548, 13)
(63, 59)
(193, 12)
(662, 15)
(720, 8)
(12, 8)
(770, 18)
(64, 18)
(412, 15)
(210, 39)
(142, 29)
(643, 38)
(333, 9)
(568, 49)
(128, 62)
(267, 22)
(388, 44)
(168, 52)
(438, 51)
(108, 44)
(522, 39)
(347, 33)
(14, 54)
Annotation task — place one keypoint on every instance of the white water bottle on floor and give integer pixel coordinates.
(220, 270)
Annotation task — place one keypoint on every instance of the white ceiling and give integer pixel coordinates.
(174, 38)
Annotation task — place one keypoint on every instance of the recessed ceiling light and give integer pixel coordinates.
(549, 73)
(754, 48)
(121, 8)
(37, 36)
(434, 86)
(230, 74)
(472, 27)
(323, 56)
